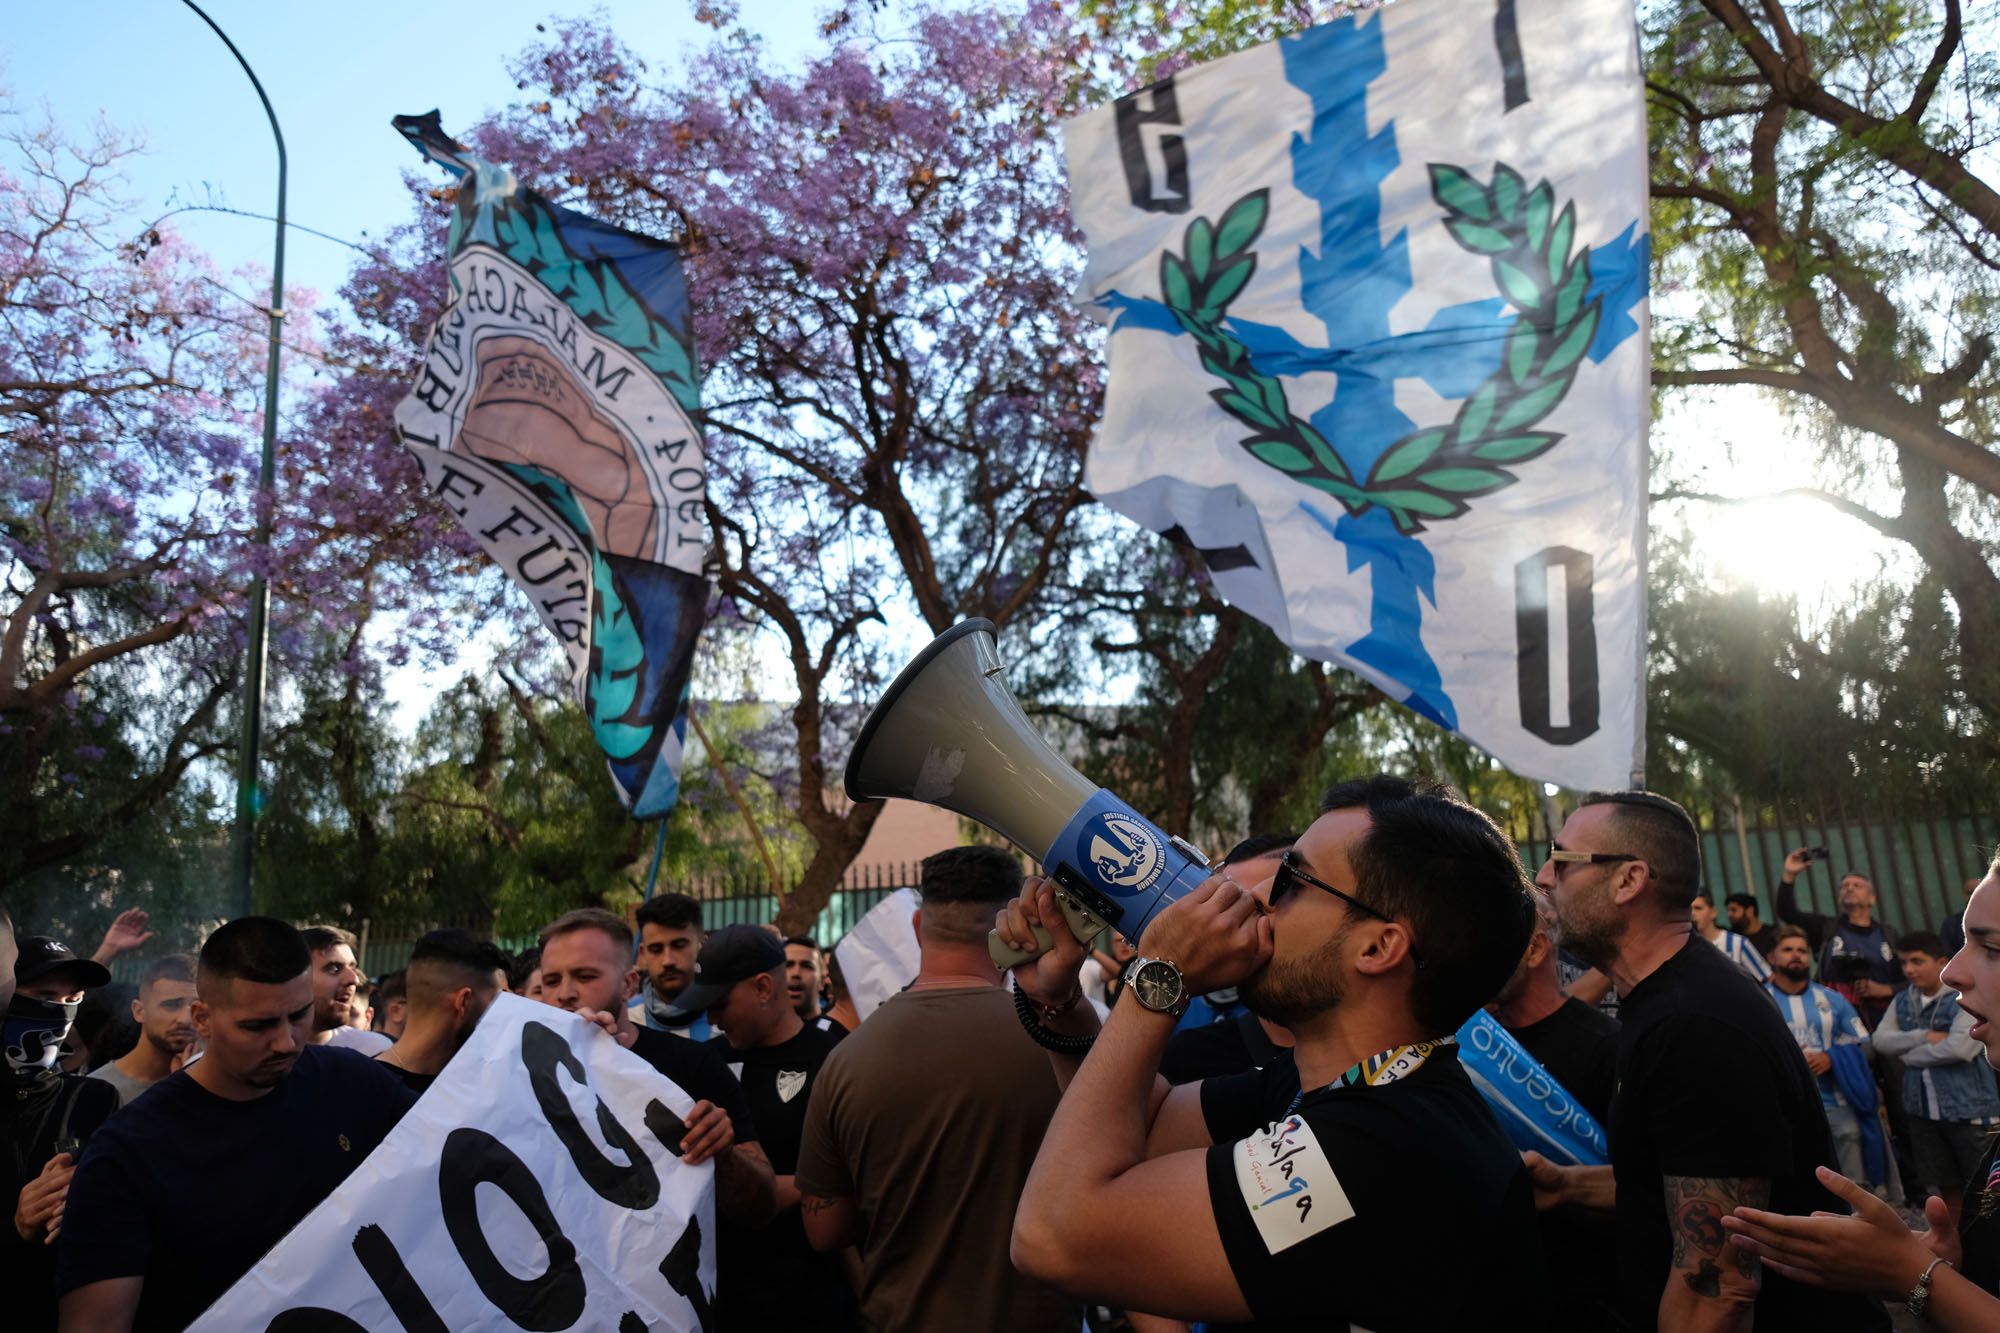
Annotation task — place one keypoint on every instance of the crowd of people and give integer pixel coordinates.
(1253, 1115)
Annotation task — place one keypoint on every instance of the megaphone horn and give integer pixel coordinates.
(948, 733)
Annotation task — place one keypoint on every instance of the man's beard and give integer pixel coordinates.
(1592, 938)
(1795, 971)
(164, 1042)
(1289, 994)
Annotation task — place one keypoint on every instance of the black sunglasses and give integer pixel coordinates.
(1292, 873)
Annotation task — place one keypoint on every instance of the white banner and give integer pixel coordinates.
(1377, 297)
(585, 1219)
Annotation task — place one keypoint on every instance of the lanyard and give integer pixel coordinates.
(1382, 1068)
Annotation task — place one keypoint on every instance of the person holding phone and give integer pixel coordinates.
(1857, 952)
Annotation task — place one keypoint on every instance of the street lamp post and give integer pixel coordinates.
(248, 796)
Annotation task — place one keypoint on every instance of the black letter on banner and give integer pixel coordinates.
(631, 1184)
(1507, 41)
(1531, 627)
(392, 1277)
(1161, 109)
(553, 1301)
(682, 1270)
(311, 1319)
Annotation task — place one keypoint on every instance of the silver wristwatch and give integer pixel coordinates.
(1157, 984)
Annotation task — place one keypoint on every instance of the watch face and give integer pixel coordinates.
(1158, 986)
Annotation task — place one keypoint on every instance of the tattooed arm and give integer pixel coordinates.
(1710, 1284)
(831, 1223)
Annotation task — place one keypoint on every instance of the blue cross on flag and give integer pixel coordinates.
(1377, 308)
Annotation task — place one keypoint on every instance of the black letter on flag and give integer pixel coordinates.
(1161, 110)
(1507, 41)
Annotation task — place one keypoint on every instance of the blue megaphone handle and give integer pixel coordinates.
(1124, 867)
(1537, 1112)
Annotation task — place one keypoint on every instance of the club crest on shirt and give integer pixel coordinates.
(790, 1083)
(1289, 1184)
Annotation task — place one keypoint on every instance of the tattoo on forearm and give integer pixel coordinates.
(813, 1203)
(1696, 1206)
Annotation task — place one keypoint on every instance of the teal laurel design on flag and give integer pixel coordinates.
(1432, 473)
(617, 645)
(526, 230)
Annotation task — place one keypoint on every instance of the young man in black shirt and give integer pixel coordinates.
(450, 983)
(1746, 919)
(586, 967)
(772, 1277)
(183, 1191)
(1714, 1108)
(1386, 1195)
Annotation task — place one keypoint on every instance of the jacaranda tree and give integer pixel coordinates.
(898, 389)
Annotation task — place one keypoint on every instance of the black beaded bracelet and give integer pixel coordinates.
(1059, 1042)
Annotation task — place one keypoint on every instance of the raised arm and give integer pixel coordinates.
(1174, 1120)
(1092, 1177)
(1814, 925)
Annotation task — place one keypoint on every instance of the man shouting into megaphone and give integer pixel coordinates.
(1367, 1183)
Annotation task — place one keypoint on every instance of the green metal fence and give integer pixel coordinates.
(1918, 859)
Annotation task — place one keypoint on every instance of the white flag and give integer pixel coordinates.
(528, 1187)
(1378, 351)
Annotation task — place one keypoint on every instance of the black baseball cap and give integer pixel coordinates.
(728, 956)
(41, 955)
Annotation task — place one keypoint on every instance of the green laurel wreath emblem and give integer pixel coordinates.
(526, 230)
(1434, 472)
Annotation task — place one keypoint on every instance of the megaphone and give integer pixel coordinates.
(949, 733)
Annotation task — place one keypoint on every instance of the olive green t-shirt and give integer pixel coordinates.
(929, 1117)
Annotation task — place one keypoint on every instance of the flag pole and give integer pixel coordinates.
(249, 799)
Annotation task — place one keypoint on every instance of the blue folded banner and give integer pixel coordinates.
(1537, 1112)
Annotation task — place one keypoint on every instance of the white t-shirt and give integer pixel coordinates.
(370, 1044)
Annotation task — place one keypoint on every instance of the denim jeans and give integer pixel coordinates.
(1846, 1127)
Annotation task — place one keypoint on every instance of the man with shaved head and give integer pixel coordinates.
(450, 983)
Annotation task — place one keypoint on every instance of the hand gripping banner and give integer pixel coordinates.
(554, 416)
(1377, 309)
(531, 1186)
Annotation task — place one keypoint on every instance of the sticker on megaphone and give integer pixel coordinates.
(1123, 868)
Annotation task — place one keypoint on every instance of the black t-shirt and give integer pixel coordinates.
(773, 1278)
(189, 1190)
(39, 1115)
(700, 1073)
(1215, 1050)
(1711, 1084)
(1393, 1206)
(1578, 1043)
(1979, 1224)
(411, 1079)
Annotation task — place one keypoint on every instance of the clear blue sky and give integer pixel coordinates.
(336, 72)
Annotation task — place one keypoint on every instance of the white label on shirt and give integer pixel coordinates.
(790, 1081)
(736, 1071)
(1289, 1184)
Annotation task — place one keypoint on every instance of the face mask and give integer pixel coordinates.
(32, 1034)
